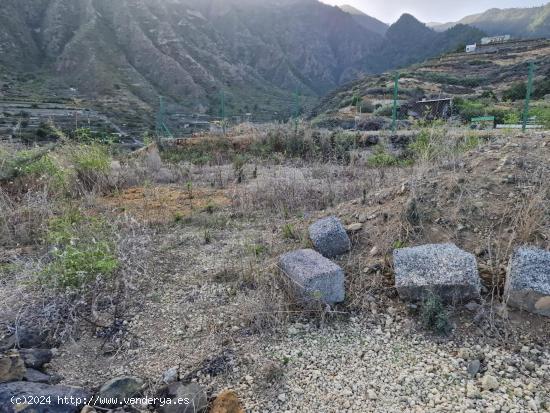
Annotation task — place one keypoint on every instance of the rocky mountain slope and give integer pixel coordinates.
(519, 22)
(124, 54)
(365, 20)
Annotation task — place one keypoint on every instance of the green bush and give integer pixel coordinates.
(542, 113)
(83, 252)
(518, 91)
(47, 169)
(434, 316)
(515, 92)
(87, 136)
(386, 110)
(92, 163)
(381, 158)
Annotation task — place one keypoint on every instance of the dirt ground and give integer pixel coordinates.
(215, 307)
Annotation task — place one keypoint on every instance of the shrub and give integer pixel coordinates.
(87, 136)
(434, 316)
(48, 170)
(289, 232)
(92, 164)
(83, 251)
(386, 110)
(515, 92)
(542, 113)
(381, 158)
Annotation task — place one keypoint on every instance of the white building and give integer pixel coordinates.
(471, 48)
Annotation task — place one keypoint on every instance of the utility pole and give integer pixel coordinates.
(395, 94)
(528, 95)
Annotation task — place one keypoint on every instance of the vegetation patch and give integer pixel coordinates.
(83, 251)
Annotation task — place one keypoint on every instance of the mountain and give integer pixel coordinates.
(365, 20)
(187, 50)
(119, 56)
(409, 41)
(518, 22)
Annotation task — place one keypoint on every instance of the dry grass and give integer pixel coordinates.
(23, 219)
(100, 305)
(162, 204)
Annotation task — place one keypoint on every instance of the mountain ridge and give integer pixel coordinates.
(257, 52)
(519, 22)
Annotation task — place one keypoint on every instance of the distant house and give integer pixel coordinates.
(471, 48)
(440, 108)
(495, 39)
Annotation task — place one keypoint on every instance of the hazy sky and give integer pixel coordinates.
(430, 10)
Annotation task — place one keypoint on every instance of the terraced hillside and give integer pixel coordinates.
(490, 71)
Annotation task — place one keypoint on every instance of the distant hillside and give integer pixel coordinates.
(118, 56)
(365, 20)
(490, 73)
(519, 22)
(258, 52)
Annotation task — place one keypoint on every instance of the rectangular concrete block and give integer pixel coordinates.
(329, 237)
(528, 281)
(313, 276)
(440, 269)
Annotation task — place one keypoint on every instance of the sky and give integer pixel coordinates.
(430, 10)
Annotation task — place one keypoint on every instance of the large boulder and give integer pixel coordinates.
(12, 367)
(528, 281)
(329, 237)
(439, 269)
(121, 388)
(24, 337)
(313, 276)
(55, 399)
(35, 358)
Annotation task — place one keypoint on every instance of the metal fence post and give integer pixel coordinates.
(394, 110)
(528, 95)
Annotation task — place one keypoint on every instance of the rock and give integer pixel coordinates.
(282, 397)
(313, 276)
(36, 376)
(88, 409)
(24, 337)
(472, 391)
(528, 281)
(121, 387)
(195, 394)
(227, 402)
(12, 367)
(35, 358)
(371, 395)
(170, 375)
(474, 367)
(329, 237)
(440, 269)
(489, 382)
(60, 398)
(354, 227)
